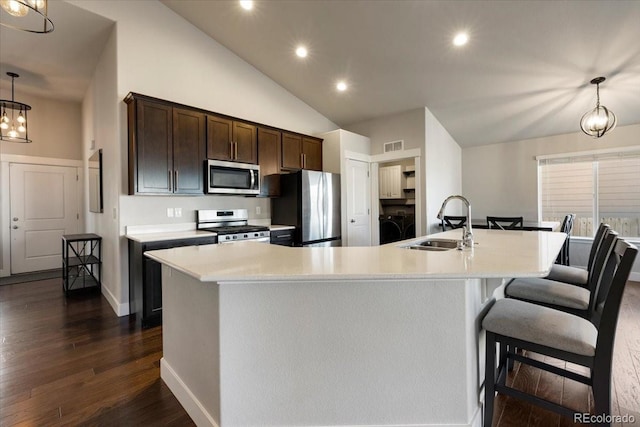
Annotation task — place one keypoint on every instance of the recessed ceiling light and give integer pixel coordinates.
(246, 4)
(301, 51)
(341, 86)
(461, 39)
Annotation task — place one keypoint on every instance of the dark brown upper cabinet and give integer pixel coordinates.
(269, 158)
(166, 147)
(301, 152)
(231, 140)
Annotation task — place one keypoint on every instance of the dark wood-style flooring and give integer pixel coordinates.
(72, 361)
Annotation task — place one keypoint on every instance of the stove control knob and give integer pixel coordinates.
(235, 237)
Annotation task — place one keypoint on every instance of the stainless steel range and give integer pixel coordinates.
(231, 225)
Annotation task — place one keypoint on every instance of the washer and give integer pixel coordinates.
(390, 228)
(394, 228)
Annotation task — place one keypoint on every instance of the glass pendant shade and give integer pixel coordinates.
(600, 120)
(14, 117)
(14, 8)
(26, 15)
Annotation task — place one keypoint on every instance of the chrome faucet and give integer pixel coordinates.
(467, 233)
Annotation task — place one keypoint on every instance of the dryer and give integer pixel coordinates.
(394, 228)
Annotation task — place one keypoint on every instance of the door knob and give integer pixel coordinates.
(15, 218)
(15, 227)
(353, 220)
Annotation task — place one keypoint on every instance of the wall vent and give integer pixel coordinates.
(394, 146)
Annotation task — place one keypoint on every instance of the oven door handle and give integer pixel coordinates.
(253, 178)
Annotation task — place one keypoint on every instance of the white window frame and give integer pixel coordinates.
(585, 156)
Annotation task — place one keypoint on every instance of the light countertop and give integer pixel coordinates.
(159, 233)
(496, 254)
(169, 235)
(276, 227)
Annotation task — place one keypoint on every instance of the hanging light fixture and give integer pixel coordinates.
(600, 120)
(13, 126)
(26, 15)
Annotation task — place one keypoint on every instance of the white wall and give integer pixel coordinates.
(408, 126)
(336, 146)
(440, 156)
(157, 53)
(55, 128)
(502, 179)
(443, 171)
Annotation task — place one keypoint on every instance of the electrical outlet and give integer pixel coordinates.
(170, 212)
(178, 212)
(115, 213)
(258, 210)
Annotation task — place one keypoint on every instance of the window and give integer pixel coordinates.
(597, 187)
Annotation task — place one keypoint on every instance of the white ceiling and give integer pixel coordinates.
(525, 72)
(58, 64)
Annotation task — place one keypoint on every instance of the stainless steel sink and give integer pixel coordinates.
(434, 245)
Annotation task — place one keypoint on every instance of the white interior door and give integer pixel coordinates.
(358, 203)
(44, 207)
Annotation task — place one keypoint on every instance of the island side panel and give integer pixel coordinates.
(190, 365)
(350, 353)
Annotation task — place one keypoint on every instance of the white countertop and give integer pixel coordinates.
(276, 227)
(169, 235)
(497, 254)
(158, 233)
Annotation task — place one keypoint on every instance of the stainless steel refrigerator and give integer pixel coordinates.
(310, 201)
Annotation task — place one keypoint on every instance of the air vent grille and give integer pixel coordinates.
(394, 146)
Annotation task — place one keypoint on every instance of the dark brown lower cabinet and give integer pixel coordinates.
(145, 278)
(282, 237)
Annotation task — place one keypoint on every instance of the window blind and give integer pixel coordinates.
(596, 187)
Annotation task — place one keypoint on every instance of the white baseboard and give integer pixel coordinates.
(189, 402)
(634, 276)
(119, 308)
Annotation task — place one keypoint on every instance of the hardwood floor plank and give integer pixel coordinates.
(72, 361)
(517, 411)
(549, 388)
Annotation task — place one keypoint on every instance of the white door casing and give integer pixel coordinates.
(44, 207)
(358, 203)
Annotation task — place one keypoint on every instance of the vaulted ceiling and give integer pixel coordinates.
(524, 73)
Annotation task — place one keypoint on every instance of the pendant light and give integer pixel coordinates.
(13, 125)
(26, 15)
(600, 120)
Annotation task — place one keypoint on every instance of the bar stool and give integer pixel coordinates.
(575, 275)
(586, 342)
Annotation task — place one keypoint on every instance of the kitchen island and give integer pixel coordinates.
(257, 334)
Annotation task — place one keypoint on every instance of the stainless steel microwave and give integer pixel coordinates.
(232, 178)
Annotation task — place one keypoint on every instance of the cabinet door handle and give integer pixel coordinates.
(236, 150)
(175, 179)
(302, 160)
(170, 180)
